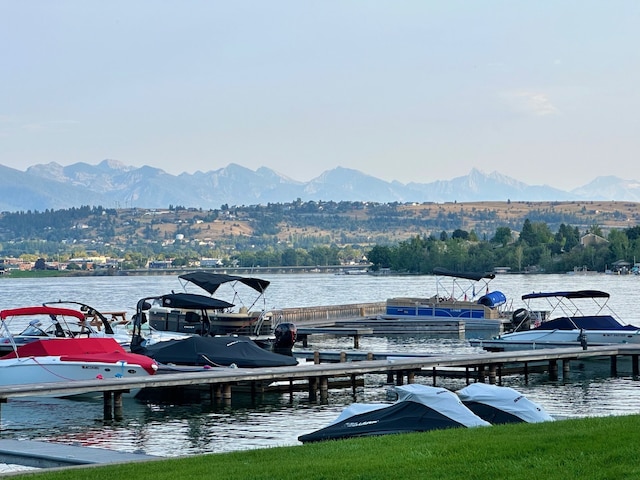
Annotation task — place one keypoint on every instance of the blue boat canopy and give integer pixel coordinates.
(569, 295)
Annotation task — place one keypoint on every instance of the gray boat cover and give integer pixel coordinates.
(501, 404)
(419, 408)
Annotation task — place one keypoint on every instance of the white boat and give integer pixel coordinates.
(66, 359)
(59, 319)
(567, 324)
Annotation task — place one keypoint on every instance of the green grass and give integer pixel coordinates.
(601, 448)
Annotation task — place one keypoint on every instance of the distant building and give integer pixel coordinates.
(210, 262)
(591, 239)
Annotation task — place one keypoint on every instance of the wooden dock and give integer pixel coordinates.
(315, 376)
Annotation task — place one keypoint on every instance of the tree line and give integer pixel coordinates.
(535, 248)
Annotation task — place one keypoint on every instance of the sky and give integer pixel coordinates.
(545, 92)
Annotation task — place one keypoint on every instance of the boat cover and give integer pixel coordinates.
(193, 301)
(89, 350)
(498, 405)
(493, 299)
(211, 281)
(466, 275)
(588, 322)
(67, 346)
(216, 351)
(419, 408)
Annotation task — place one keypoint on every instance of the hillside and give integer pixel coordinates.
(307, 222)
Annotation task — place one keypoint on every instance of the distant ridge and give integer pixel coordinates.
(113, 184)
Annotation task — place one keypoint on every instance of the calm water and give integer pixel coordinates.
(170, 429)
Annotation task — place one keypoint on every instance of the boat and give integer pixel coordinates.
(419, 408)
(221, 351)
(55, 320)
(199, 345)
(498, 405)
(222, 317)
(467, 298)
(67, 359)
(566, 323)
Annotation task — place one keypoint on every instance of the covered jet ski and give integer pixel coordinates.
(220, 351)
(419, 408)
(499, 405)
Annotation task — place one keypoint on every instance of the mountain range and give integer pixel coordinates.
(112, 184)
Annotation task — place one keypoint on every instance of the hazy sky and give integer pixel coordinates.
(546, 92)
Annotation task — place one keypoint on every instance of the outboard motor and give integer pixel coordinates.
(286, 335)
(521, 319)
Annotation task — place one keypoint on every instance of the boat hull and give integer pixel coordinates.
(537, 339)
(36, 370)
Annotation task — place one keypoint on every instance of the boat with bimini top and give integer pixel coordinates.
(573, 319)
(459, 296)
(232, 315)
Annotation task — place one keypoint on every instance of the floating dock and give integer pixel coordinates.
(34, 454)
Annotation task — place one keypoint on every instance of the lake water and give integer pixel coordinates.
(172, 429)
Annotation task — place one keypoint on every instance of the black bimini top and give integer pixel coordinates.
(466, 275)
(211, 281)
(569, 295)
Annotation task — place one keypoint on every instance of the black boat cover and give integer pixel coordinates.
(499, 405)
(211, 281)
(419, 408)
(466, 275)
(216, 351)
(193, 301)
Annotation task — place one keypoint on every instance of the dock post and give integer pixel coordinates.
(614, 366)
(313, 389)
(316, 357)
(399, 377)
(226, 393)
(553, 369)
(389, 377)
(492, 374)
(566, 368)
(370, 356)
(481, 373)
(354, 383)
(217, 392)
(356, 341)
(466, 374)
(108, 405)
(324, 389)
(411, 376)
(434, 377)
(117, 405)
(343, 357)
(634, 365)
(526, 373)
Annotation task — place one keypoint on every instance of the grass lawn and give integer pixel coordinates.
(602, 448)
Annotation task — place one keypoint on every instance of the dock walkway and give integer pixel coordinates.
(317, 375)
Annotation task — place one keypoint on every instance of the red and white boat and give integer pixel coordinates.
(68, 359)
